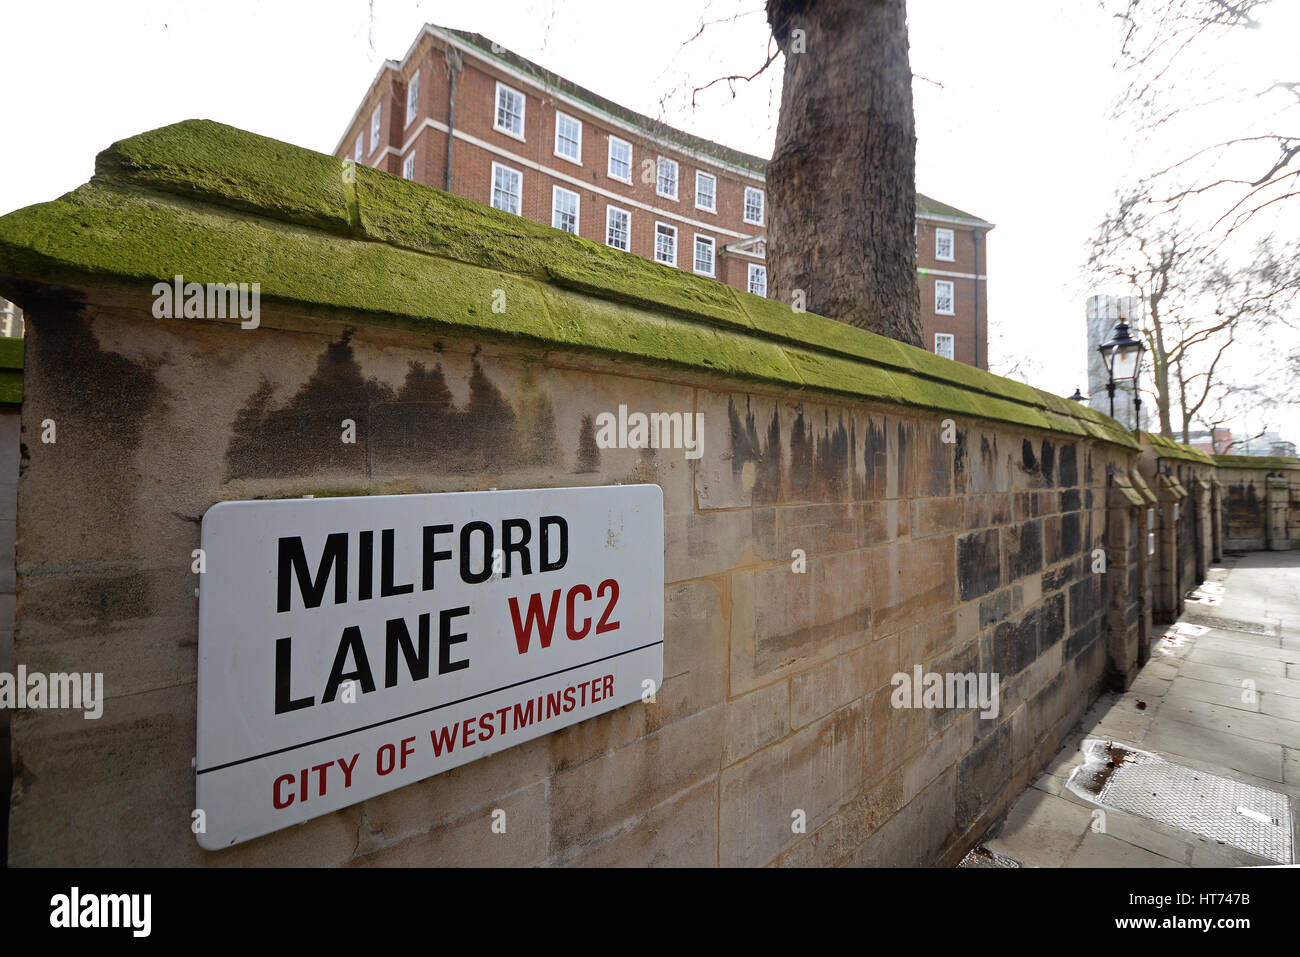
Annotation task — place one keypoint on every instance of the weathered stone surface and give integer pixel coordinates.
(633, 778)
(846, 831)
(909, 583)
(983, 774)
(1024, 545)
(681, 832)
(916, 835)
(1015, 643)
(470, 841)
(755, 720)
(813, 771)
(979, 563)
(818, 692)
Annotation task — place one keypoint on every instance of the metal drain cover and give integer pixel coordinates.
(1241, 815)
(1262, 628)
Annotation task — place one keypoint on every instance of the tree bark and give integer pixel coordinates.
(842, 180)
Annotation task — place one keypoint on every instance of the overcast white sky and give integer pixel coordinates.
(1012, 118)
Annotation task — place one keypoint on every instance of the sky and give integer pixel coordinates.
(1012, 99)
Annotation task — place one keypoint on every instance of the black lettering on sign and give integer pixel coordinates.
(446, 639)
(334, 560)
(485, 570)
(546, 522)
(284, 701)
(510, 547)
(350, 643)
(431, 553)
(386, 586)
(396, 635)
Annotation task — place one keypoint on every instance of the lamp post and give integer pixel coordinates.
(1122, 355)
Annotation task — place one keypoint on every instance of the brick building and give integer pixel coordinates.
(462, 113)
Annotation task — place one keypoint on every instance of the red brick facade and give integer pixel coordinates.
(478, 145)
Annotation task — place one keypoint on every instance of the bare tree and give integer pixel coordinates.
(1237, 177)
(1197, 309)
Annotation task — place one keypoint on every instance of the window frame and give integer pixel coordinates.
(610, 208)
(408, 161)
(496, 112)
(749, 281)
(762, 206)
(677, 178)
(572, 159)
(413, 109)
(700, 174)
(492, 188)
(952, 297)
(577, 208)
(609, 160)
(676, 234)
(952, 345)
(359, 148)
(713, 259)
(952, 244)
(376, 126)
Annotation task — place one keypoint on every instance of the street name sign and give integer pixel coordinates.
(351, 646)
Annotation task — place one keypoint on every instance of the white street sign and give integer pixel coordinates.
(351, 646)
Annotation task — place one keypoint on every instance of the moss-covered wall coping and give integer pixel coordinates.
(1256, 462)
(218, 204)
(1167, 448)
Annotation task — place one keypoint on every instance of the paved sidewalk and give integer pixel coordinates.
(1190, 707)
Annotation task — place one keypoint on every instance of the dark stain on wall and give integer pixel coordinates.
(959, 465)
(746, 446)
(1245, 514)
(801, 458)
(831, 461)
(1047, 461)
(904, 459)
(588, 458)
(1068, 472)
(1028, 461)
(875, 461)
(102, 397)
(416, 426)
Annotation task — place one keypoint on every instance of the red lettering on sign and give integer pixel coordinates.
(545, 626)
(604, 624)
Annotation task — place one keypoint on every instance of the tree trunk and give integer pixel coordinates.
(842, 180)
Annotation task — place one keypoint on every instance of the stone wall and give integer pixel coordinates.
(860, 509)
(1260, 502)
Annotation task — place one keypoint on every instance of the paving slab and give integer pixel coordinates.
(1102, 850)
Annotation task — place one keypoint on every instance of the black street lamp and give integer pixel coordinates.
(1123, 357)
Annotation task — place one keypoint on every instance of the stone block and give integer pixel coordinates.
(813, 771)
(756, 720)
(979, 568)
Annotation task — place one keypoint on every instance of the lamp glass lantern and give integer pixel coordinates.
(1122, 354)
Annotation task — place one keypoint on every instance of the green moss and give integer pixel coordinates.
(1168, 448)
(215, 163)
(178, 201)
(11, 387)
(1256, 461)
(402, 213)
(11, 352)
